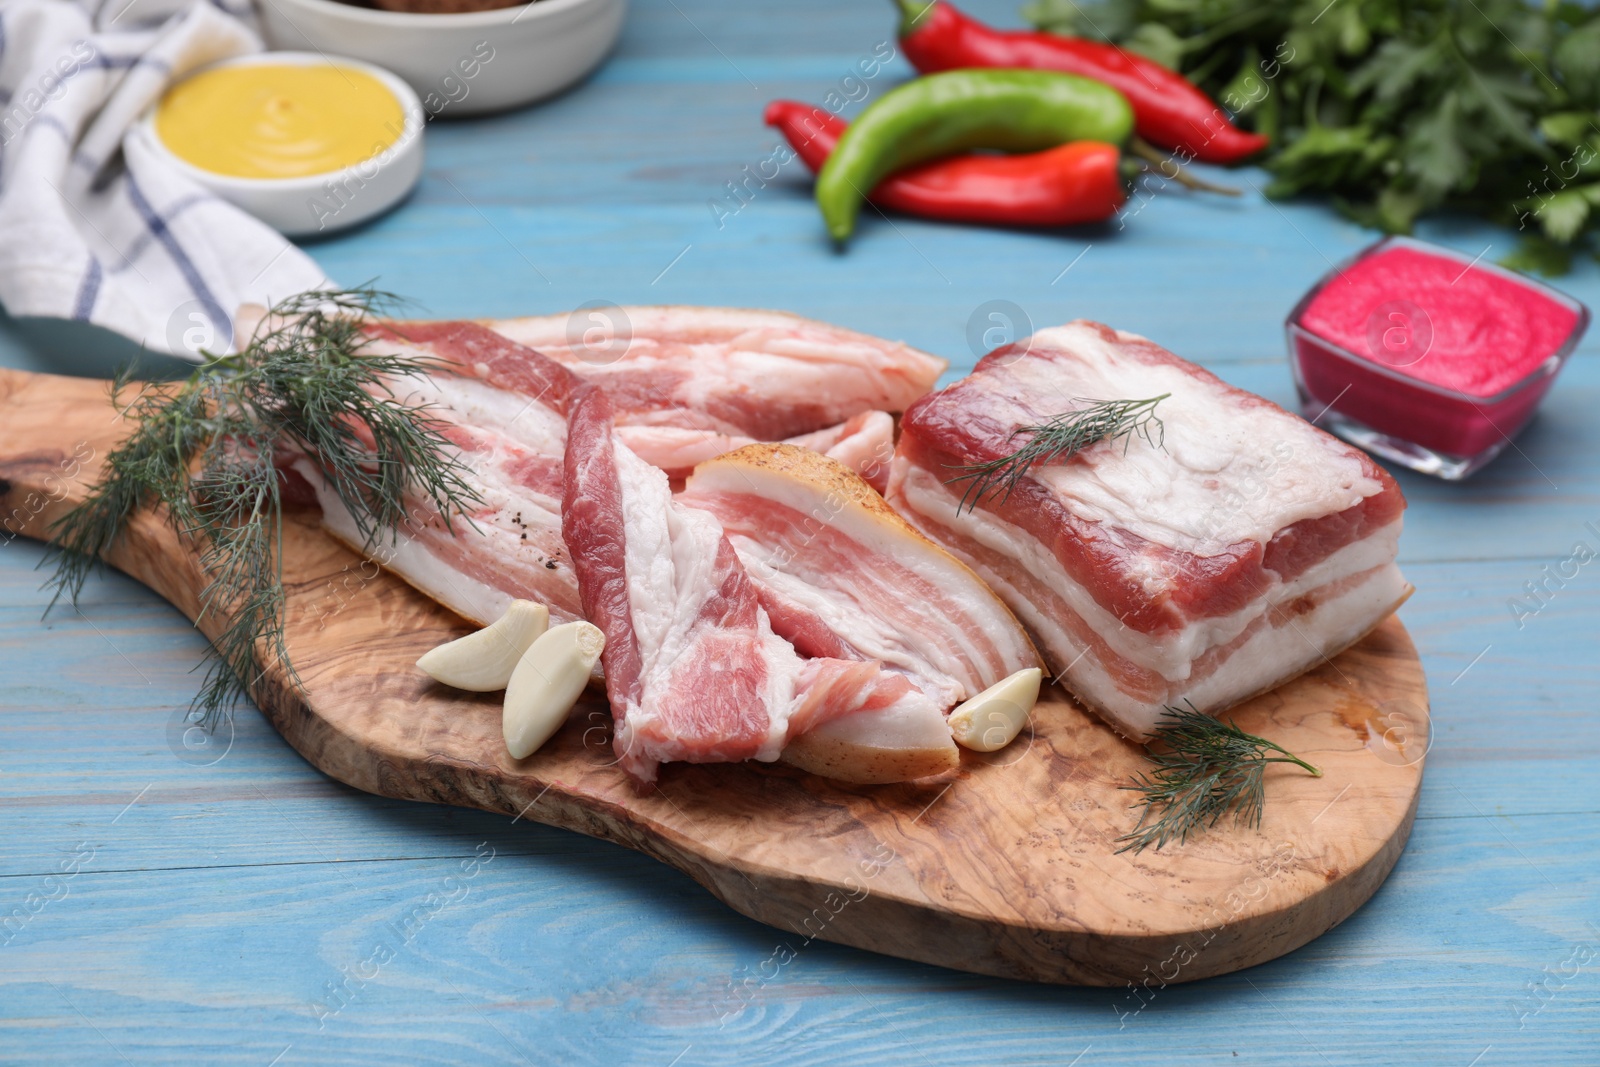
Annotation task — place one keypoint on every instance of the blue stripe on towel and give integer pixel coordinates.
(158, 227)
(142, 242)
(102, 61)
(89, 291)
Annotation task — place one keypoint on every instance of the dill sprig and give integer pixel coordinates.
(204, 450)
(1204, 768)
(1060, 439)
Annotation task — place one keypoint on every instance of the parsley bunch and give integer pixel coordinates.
(1396, 108)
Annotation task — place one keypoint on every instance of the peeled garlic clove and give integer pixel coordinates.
(548, 680)
(483, 662)
(989, 721)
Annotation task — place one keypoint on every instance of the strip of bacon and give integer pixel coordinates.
(1245, 549)
(758, 374)
(509, 547)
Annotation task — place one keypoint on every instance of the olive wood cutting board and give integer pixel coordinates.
(1005, 867)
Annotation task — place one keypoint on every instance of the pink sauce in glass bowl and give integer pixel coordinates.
(1427, 357)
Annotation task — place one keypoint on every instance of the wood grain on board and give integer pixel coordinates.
(1007, 867)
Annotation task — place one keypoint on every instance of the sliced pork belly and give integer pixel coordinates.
(677, 433)
(842, 575)
(757, 374)
(1244, 550)
(508, 425)
(506, 406)
(864, 443)
(693, 669)
(526, 380)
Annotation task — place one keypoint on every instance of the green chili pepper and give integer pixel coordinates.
(959, 111)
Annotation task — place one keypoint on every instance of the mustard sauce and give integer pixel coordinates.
(279, 120)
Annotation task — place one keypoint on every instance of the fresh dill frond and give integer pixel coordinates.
(1204, 768)
(1060, 439)
(204, 451)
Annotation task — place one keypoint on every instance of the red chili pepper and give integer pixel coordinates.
(1168, 110)
(1075, 183)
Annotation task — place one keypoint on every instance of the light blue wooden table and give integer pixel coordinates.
(250, 910)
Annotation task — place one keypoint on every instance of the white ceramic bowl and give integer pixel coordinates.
(532, 51)
(320, 203)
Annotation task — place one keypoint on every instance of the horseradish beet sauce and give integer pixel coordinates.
(1426, 357)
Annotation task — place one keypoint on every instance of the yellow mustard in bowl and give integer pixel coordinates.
(279, 120)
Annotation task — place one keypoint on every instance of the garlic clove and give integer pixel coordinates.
(483, 662)
(989, 721)
(548, 680)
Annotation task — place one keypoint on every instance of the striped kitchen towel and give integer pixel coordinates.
(92, 226)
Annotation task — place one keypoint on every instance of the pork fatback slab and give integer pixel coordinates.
(1246, 548)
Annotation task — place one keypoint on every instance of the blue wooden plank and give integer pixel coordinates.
(447, 960)
(1504, 746)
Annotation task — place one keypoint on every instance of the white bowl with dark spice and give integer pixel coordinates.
(460, 62)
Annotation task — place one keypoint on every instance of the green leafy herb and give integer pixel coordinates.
(204, 450)
(1204, 768)
(1396, 108)
(1060, 439)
